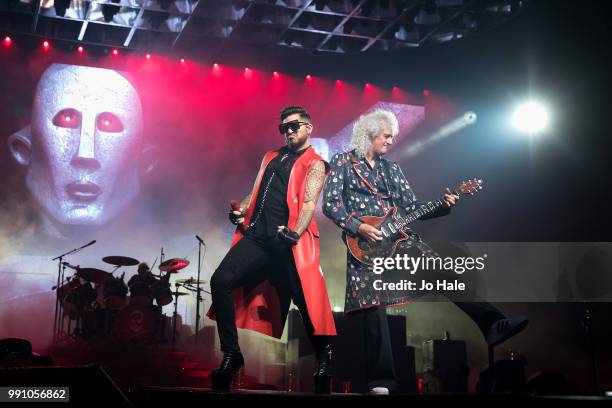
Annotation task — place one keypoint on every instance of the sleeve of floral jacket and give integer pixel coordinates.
(334, 195)
(404, 196)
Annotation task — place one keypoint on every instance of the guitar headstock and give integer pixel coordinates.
(470, 186)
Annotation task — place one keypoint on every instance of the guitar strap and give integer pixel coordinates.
(415, 238)
(388, 174)
(377, 194)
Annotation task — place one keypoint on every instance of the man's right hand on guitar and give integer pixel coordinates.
(370, 233)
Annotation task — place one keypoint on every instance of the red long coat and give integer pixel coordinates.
(262, 309)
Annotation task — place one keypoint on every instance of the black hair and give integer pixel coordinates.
(292, 110)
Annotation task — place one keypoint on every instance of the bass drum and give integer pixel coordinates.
(137, 323)
(96, 323)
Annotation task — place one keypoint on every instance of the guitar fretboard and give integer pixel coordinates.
(420, 212)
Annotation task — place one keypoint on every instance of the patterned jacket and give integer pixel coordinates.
(354, 189)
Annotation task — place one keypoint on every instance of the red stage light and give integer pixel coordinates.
(115, 52)
(80, 49)
(425, 92)
(46, 45)
(275, 73)
(216, 65)
(148, 56)
(395, 89)
(7, 41)
(182, 60)
(309, 77)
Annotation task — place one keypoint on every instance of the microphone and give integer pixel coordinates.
(200, 239)
(236, 207)
(90, 244)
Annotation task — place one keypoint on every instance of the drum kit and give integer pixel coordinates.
(99, 303)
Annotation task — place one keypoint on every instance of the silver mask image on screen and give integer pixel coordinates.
(83, 148)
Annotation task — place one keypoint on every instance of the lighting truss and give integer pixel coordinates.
(283, 26)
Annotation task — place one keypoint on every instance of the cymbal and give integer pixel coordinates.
(177, 293)
(120, 260)
(173, 265)
(93, 275)
(191, 281)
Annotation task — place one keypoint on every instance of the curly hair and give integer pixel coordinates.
(370, 125)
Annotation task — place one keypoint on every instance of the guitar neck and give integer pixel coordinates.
(420, 212)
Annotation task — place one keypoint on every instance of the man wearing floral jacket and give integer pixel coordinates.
(361, 183)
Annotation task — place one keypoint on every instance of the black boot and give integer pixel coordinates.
(503, 329)
(322, 376)
(222, 377)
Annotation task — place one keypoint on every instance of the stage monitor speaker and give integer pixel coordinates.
(446, 361)
(509, 376)
(88, 384)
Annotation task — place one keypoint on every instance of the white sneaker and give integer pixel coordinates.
(379, 391)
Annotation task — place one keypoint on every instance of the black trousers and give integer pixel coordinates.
(380, 369)
(248, 263)
(379, 355)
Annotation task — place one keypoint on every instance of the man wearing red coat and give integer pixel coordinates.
(274, 256)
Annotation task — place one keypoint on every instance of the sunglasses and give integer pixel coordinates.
(294, 125)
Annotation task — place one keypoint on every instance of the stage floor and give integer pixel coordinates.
(181, 396)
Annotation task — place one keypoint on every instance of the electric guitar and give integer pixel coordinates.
(393, 227)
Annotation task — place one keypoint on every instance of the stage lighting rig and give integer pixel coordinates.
(109, 11)
(165, 4)
(61, 6)
(296, 27)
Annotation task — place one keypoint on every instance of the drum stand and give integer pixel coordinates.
(77, 333)
(199, 290)
(58, 320)
(175, 314)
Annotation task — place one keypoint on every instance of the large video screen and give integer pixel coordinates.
(141, 157)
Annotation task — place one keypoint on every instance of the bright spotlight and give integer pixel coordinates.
(470, 117)
(530, 117)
